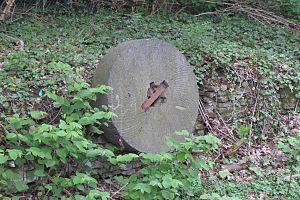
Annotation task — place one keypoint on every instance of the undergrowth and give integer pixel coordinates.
(46, 120)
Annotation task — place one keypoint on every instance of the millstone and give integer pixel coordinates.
(129, 69)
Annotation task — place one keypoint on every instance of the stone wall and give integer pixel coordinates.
(238, 101)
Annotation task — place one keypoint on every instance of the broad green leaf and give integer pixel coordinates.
(21, 186)
(38, 114)
(258, 171)
(3, 158)
(223, 174)
(94, 152)
(200, 163)
(144, 188)
(126, 157)
(85, 121)
(95, 194)
(80, 197)
(167, 181)
(14, 153)
(11, 175)
(39, 171)
(62, 153)
(168, 194)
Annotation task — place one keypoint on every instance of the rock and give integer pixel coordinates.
(200, 126)
(211, 88)
(208, 100)
(200, 132)
(222, 99)
(210, 94)
(245, 84)
(225, 105)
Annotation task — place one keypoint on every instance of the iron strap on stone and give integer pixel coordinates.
(154, 93)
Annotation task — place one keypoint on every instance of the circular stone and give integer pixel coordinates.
(129, 69)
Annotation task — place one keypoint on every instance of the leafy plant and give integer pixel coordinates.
(170, 175)
(48, 147)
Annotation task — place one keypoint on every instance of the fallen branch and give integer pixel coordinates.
(256, 13)
(234, 167)
(202, 111)
(289, 177)
(7, 9)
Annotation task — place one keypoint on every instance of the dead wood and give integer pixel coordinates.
(6, 10)
(261, 15)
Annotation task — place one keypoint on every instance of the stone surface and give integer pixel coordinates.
(129, 69)
(210, 94)
(227, 105)
(211, 88)
(222, 99)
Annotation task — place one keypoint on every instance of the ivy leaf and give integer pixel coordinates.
(14, 153)
(258, 171)
(38, 114)
(223, 174)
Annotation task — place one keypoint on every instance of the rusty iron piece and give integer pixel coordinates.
(154, 93)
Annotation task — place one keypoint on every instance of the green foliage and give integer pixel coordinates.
(291, 146)
(170, 175)
(48, 147)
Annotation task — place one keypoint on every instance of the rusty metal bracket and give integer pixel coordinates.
(154, 93)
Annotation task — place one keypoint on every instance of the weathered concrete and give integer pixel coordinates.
(129, 69)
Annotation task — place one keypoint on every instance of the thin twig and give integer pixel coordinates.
(253, 115)
(118, 191)
(7, 10)
(202, 112)
(225, 125)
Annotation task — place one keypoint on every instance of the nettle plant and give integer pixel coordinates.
(171, 175)
(31, 142)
